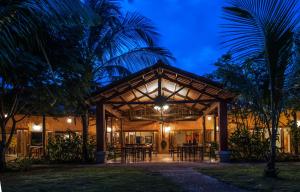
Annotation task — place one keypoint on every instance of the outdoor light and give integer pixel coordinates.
(36, 128)
(298, 123)
(108, 129)
(69, 120)
(165, 107)
(5, 115)
(157, 108)
(167, 129)
(209, 118)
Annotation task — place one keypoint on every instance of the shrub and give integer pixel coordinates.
(20, 164)
(68, 149)
(247, 146)
(285, 157)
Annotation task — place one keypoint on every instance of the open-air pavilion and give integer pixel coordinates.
(164, 107)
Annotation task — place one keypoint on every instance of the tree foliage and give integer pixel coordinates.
(54, 54)
(265, 28)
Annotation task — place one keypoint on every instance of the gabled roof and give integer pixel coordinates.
(161, 80)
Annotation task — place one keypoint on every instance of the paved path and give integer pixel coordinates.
(192, 181)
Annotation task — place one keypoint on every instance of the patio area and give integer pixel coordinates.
(160, 113)
(161, 110)
(163, 158)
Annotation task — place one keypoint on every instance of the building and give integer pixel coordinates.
(159, 104)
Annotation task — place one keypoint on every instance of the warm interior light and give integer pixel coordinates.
(159, 108)
(167, 129)
(209, 118)
(5, 115)
(108, 129)
(36, 128)
(165, 107)
(69, 120)
(217, 128)
(298, 123)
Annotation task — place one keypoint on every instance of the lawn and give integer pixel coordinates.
(250, 176)
(106, 179)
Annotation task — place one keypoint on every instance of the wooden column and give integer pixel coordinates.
(100, 133)
(121, 136)
(111, 131)
(204, 130)
(222, 110)
(44, 135)
(215, 128)
(203, 137)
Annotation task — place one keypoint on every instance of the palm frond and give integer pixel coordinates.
(20, 20)
(261, 26)
(136, 59)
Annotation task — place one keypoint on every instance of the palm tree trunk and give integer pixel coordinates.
(271, 170)
(84, 119)
(2, 148)
(295, 138)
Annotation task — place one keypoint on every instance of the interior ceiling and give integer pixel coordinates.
(188, 95)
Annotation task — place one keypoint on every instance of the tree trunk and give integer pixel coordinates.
(2, 148)
(2, 159)
(295, 142)
(271, 170)
(84, 119)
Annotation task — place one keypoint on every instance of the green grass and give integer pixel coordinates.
(250, 176)
(89, 179)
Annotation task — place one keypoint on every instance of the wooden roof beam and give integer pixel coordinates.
(168, 102)
(184, 97)
(175, 92)
(193, 88)
(116, 94)
(135, 99)
(145, 94)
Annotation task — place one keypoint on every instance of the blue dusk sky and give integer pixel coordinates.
(189, 29)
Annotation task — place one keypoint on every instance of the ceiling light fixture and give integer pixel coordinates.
(36, 128)
(161, 108)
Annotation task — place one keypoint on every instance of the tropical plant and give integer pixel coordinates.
(248, 146)
(265, 28)
(68, 148)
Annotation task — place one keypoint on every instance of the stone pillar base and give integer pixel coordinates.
(225, 156)
(100, 157)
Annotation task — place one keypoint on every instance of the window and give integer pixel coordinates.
(36, 138)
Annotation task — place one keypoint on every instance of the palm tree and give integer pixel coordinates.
(266, 27)
(114, 47)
